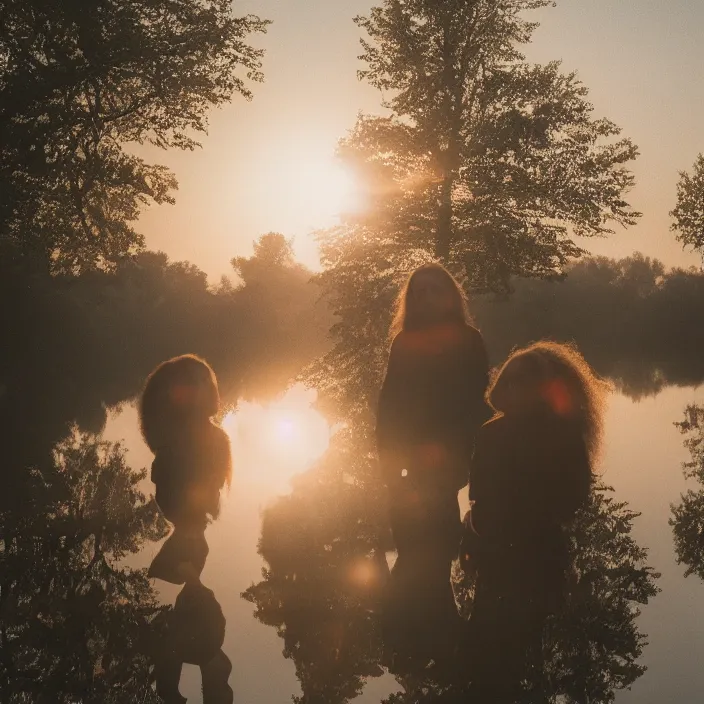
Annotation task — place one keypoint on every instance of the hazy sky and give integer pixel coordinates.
(268, 165)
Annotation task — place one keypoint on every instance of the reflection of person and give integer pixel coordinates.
(195, 633)
(192, 459)
(430, 406)
(531, 472)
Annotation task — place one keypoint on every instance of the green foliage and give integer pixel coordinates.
(321, 585)
(271, 252)
(284, 301)
(688, 214)
(592, 648)
(687, 519)
(76, 621)
(687, 522)
(79, 83)
(692, 427)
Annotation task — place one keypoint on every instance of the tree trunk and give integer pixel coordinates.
(449, 153)
(443, 234)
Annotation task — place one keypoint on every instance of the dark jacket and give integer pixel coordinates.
(433, 394)
(529, 476)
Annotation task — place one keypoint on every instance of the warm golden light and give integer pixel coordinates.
(363, 573)
(272, 443)
(318, 185)
(303, 187)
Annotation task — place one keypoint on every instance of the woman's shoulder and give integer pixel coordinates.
(518, 431)
(218, 434)
(429, 342)
(404, 346)
(215, 439)
(495, 429)
(403, 339)
(471, 335)
(223, 441)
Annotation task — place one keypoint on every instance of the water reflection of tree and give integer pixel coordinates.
(76, 623)
(687, 519)
(319, 590)
(322, 585)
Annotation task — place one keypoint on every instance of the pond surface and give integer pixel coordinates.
(642, 461)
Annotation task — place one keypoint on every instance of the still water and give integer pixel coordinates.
(642, 462)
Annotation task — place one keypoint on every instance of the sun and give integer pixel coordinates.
(304, 187)
(326, 187)
(274, 442)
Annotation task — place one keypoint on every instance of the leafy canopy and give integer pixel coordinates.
(82, 82)
(688, 214)
(487, 163)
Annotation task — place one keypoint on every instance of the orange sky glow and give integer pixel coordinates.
(269, 165)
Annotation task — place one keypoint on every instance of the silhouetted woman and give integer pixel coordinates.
(430, 407)
(531, 473)
(192, 460)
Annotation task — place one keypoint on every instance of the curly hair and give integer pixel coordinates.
(160, 412)
(565, 381)
(405, 316)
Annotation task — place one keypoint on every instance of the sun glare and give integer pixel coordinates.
(286, 429)
(304, 187)
(272, 443)
(313, 190)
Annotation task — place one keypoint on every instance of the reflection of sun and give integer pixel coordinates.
(272, 443)
(286, 429)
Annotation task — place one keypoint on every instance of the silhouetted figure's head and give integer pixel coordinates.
(556, 378)
(178, 394)
(431, 295)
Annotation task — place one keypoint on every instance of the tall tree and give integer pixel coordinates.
(502, 156)
(281, 295)
(79, 82)
(688, 214)
(486, 163)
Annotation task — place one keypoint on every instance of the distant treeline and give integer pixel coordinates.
(75, 346)
(636, 322)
